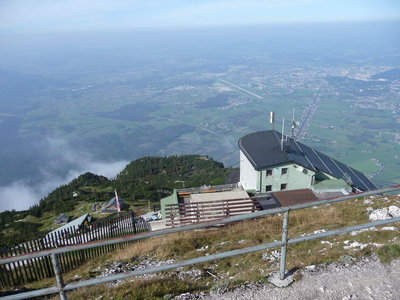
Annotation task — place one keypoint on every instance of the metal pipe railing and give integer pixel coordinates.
(197, 260)
(237, 218)
(61, 289)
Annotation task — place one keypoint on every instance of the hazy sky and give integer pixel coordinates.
(82, 15)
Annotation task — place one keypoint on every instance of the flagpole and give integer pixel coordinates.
(117, 202)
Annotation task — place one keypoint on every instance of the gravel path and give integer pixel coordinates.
(365, 279)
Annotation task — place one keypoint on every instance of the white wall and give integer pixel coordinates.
(248, 175)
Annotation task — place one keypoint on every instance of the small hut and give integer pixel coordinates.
(61, 219)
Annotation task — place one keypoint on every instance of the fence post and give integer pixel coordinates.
(197, 212)
(59, 278)
(172, 218)
(133, 221)
(284, 240)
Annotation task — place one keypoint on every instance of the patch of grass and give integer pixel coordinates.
(138, 289)
(388, 252)
(297, 276)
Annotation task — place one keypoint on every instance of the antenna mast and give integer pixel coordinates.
(293, 125)
(272, 119)
(282, 135)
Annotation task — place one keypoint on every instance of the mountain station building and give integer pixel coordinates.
(268, 165)
(275, 171)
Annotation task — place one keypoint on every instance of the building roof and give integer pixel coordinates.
(289, 198)
(293, 197)
(263, 150)
(61, 218)
(266, 200)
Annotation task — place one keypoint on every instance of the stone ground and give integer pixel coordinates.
(365, 279)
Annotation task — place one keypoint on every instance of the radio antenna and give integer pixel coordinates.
(282, 135)
(272, 119)
(295, 124)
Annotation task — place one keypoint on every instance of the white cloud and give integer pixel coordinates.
(17, 196)
(20, 195)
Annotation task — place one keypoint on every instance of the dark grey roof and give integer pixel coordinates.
(113, 202)
(62, 218)
(266, 201)
(263, 150)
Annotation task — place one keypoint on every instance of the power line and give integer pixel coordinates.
(226, 154)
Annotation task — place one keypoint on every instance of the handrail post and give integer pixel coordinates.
(59, 278)
(284, 240)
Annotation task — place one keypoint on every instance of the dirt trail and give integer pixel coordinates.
(365, 279)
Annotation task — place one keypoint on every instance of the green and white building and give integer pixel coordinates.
(270, 164)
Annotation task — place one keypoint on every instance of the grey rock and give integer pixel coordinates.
(346, 259)
(77, 278)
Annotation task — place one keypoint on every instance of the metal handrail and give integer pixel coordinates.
(61, 289)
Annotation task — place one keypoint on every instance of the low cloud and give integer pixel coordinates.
(63, 164)
(18, 196)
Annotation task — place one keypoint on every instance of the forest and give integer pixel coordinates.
(145, 180)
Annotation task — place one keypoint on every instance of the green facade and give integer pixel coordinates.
(292, 175)
(172, 199)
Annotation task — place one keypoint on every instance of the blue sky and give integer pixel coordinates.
(88, 15)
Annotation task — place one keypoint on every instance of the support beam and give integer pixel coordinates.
(59, 278)
(285, 229)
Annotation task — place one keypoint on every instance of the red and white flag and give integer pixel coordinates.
(117, 201)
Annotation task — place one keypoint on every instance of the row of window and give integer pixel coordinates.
(268, 188)
(284, 171)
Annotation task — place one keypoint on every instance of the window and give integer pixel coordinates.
(269, 172)
(283, 186)
(268, 188)
(284, 171)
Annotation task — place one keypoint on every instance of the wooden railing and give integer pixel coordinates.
(15, 274)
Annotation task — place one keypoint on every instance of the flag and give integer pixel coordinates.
(116, 200)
